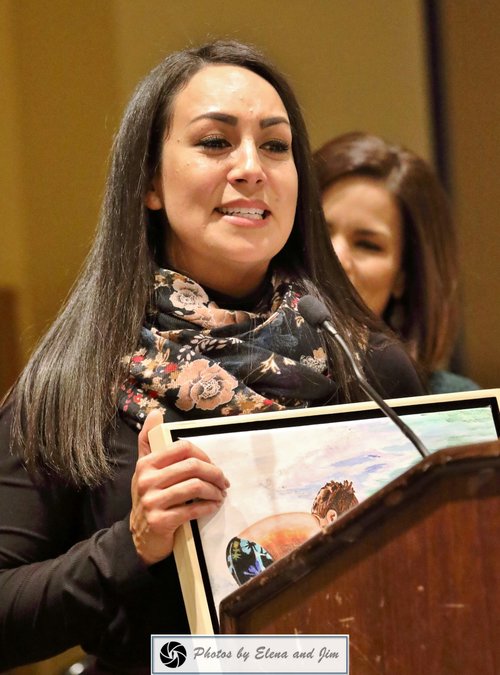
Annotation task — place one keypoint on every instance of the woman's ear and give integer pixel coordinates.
(153, 198)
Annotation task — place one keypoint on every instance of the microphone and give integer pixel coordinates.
(317, 315)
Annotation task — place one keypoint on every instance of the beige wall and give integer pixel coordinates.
(13, 293)
(60, 89)
(471, 41)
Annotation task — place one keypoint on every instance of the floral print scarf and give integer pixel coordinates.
(197, 359)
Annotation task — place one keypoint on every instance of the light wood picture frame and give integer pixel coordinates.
(276, 462)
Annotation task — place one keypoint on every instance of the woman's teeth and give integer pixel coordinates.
(253, 214)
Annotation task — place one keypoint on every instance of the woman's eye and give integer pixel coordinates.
(369, 245)
(213, 143)
(277, 145)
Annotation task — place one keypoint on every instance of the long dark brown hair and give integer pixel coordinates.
(426, 316)
(65, 399)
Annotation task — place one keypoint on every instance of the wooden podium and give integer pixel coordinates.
(411, 574)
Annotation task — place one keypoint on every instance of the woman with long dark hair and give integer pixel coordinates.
(211, 230)
(391, 226)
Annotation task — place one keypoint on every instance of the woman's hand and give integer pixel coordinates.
(169, 488)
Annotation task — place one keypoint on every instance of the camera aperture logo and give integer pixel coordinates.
(173, 654)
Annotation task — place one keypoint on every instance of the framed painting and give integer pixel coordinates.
(294, 472)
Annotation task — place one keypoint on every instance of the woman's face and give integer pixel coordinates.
(367, 234)
(228, 181)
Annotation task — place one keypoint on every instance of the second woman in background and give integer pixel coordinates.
(391, 227)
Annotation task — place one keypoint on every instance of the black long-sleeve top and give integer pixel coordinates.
(69, 572)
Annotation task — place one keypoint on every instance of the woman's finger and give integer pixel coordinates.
(176, 452)
(154, 418)
(153, 533)
(179, 494)
(150, 477)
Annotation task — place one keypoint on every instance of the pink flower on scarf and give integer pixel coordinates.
(204, 386)
(192, 303)
(187, 295)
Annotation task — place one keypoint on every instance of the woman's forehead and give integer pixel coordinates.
(229, 89)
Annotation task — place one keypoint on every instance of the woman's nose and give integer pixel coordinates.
(247, 165)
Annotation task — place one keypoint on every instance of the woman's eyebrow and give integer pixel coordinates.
(271, 121)
(373, 231)
(233, 120)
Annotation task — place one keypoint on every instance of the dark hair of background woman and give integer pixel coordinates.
(426, 316)
(65, 398)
